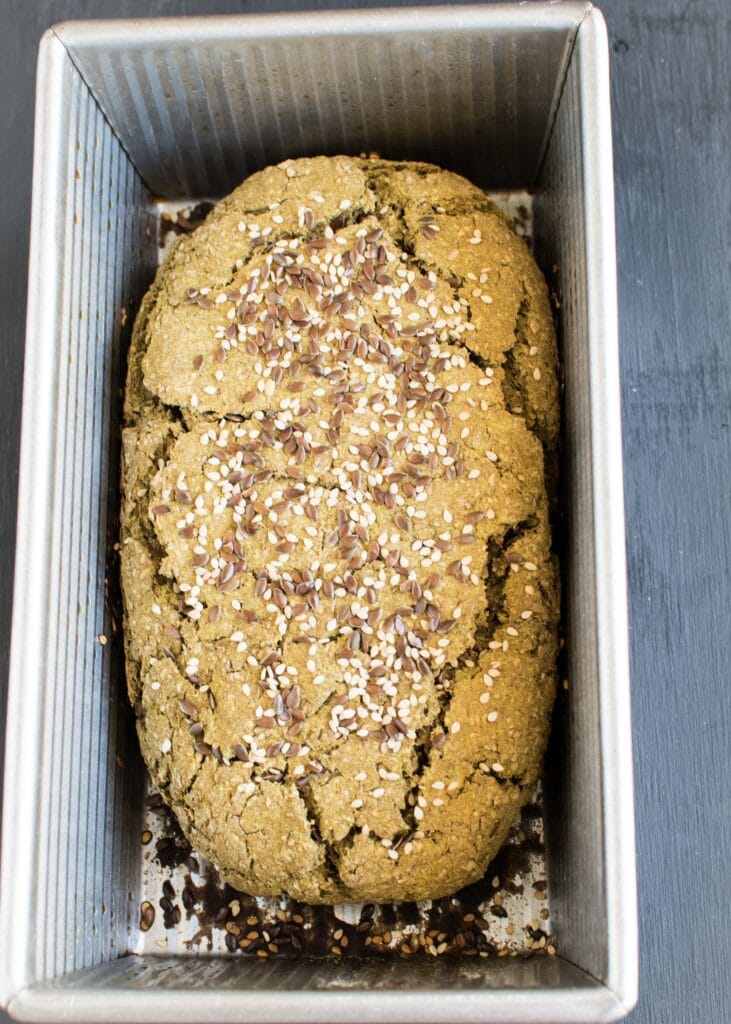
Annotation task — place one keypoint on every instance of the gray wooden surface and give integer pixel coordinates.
(672, 101)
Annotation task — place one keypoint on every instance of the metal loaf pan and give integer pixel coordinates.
(512, 96)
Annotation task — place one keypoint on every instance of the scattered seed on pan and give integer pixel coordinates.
(147, 916)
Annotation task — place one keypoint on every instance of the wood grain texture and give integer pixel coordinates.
(673, 173)
(671, 116)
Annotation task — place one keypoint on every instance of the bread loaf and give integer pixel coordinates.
(340, 598)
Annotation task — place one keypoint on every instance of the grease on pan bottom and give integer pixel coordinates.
(186, 908)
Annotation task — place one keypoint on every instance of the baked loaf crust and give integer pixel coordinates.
(340, 598)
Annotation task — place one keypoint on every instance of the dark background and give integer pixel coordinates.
(671, 91)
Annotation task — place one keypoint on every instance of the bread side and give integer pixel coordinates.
(340, 597)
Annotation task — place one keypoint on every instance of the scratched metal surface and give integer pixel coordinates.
(671, 110)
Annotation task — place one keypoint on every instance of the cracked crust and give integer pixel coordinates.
(340, 598)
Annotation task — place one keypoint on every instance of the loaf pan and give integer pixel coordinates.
(131, 113)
